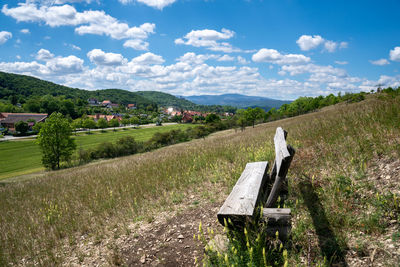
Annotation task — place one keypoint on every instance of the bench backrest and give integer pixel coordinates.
(250, 190)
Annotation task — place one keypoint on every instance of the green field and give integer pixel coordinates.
(24, 156)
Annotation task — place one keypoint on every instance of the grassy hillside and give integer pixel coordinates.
(23, 157)
(343, 194)
(237, 100)
(27, 86)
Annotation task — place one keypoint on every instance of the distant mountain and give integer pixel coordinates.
(27, 87)
(237, 100)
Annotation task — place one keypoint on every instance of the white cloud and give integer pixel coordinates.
(380, 62)
(313, 68)
(65, 65)
(75, 47)
(194, 59)
(99, 57)
(159, 4)
(273, 56)
(5, 36)
(209, 39)
(395, 54)
(86, 22)
(341, 62)
(343, 45)
(242, 60)
(330, 46)
(137, 44)
(226, 58)
(25, 31)
(308, 42)
(44, 55)
(148, 59)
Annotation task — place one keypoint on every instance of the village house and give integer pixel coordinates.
(93, 102)
(131, 106)
(8, 120)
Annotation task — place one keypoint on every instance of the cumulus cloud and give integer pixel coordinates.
(380, 62)
(86, 22)
(226, 58)
(273, 56)
(25, 31)
(330, 46)
(65, 65)
(341, 62)
(242, 60)
(148, 59)
(309, 42)
(313, 68)
(395, 54)
(137, 44)
(44, 55)
(158, 4)
(99, 57)
(195, 59)
(209, 39)
(5, 36)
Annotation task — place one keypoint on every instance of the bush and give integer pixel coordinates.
(127, 146)
(106, 150)
(84, 156)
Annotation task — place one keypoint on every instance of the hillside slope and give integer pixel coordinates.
(343, 189)
(27, 86)
(237, 100)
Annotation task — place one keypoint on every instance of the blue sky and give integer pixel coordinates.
(278, 48)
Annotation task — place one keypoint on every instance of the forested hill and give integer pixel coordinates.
(167, 100)
(25, 87)
(237, 100)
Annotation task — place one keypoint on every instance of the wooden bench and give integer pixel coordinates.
(256, 187)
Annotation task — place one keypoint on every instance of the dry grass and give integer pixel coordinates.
(42, 214)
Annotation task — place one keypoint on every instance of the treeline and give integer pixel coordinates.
(304, 105)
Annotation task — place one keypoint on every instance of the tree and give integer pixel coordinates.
(89, 123)
(210, 118)
(76, 124)
(135, 120)
(114, 123)
(125, 122)
(254, 114)
(55, 141)
(102, 123)
(37, 127)
(242, 119)
(22, 127)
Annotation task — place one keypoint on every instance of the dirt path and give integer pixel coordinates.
(171, 243)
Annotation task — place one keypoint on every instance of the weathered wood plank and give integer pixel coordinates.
(283, 157)
(246, 194)
(277, 216)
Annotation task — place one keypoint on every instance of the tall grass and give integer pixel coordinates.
(40, 217)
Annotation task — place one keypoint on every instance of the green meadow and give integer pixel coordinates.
(24, 156)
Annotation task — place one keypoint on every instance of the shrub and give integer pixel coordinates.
(106, 150)
(127, 146)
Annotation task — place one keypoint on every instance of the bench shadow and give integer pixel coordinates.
(327, 240)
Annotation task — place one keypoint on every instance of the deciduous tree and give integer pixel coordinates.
(55, 141)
